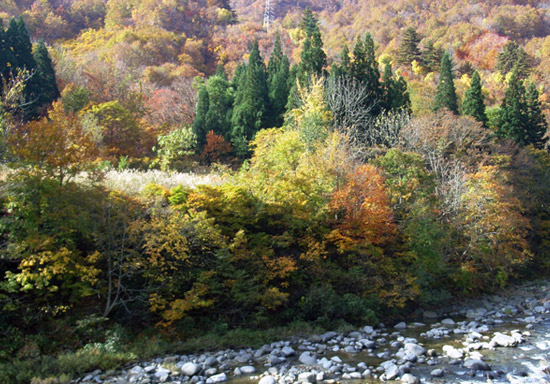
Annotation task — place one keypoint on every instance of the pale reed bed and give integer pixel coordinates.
(133, 181)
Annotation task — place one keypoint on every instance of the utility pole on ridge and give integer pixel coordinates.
(268, 14)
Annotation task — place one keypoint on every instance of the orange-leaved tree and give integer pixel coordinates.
(362, 209)
(57, 147)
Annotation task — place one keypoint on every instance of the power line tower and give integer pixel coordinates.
(268, 14)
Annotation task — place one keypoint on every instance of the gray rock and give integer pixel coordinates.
(368, 329)
(452, 352)
(237, 372)
(267, 380)
(437, 372)
(274, 360)
(476, 365)
(136, 371)
(502, 340)
(307, 377)
(350, 349)
(320, 376)
(429, 315)
(220, 378)
(190, 369)
(475, 313)
(247, 370)
(391, 372)
(407, 378)
(448, 322)
(210, 372)
(366, 343)
(244, 358)
(161, 372)
(288, 351)
(210, 361)
(416, 349)
(355, 375)
(327, 336)
(401, 325)
(308, 358)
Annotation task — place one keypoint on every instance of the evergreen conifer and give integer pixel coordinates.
(445, 96)
(473, 104)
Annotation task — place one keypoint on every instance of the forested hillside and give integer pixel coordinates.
(371, 158)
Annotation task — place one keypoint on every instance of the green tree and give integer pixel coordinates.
(45, 76)
(251, 102)
(513, 111)
(220, 107)
(537, 123)
(7, 58)
(394, 91)
(473, 104)
(278, 71)
(431, 57)
(445, 96)
(409, 50)
(513, 56)
(199, 124)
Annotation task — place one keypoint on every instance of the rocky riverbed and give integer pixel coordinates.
(501, 338)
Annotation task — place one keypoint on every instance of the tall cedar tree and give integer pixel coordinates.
(251, 103)
(409, 50)
(445, 96)
(7, 58)
(313, 57)
(199, 124)
(432, 56)
(394, 91)
(45, 76)
(344, 68)
(512, 123)
(474, 104)
(364, 69)
(220, 108)
(278, 71)
(538, 125)
(513, 56)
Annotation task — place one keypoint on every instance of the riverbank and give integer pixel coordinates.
(488, 338)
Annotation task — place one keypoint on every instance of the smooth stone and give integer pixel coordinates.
(190, 369)
(307, 377)
(401, 325)
(355, 375)
(407, 378)
(452, 352)
(476, 365)
(137, 370)
(429, 315)
(368, 329)
(211, 361)
(327, 336)
(437, 372)
(448, 322)
(210, 372)
(288, 351)
(237, 372)
(475, 313)
(274, 360)
(416, 349)
(244, 357)
(220, 378)
(308, 358)
(247, 370)
(391, 372)
(502, 340)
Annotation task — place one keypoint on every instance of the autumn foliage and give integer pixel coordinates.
(362, 209)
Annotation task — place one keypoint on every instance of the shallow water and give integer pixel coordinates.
(523, 364)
